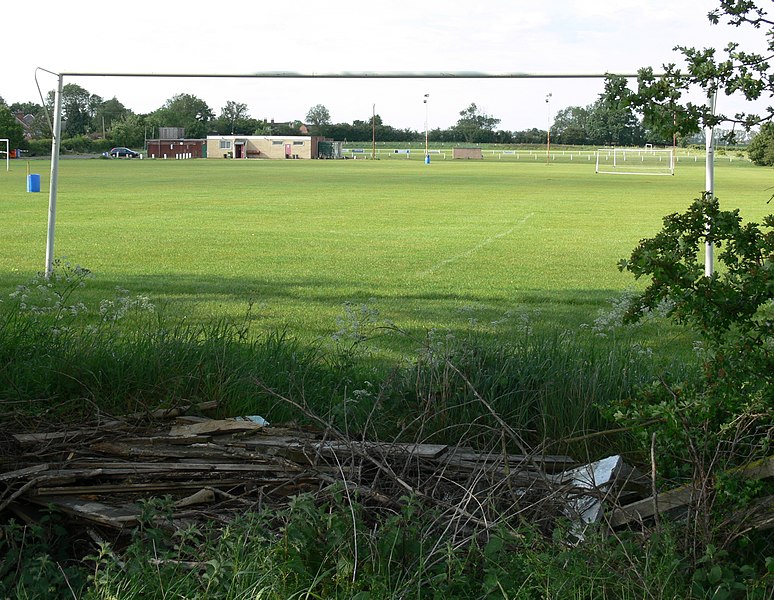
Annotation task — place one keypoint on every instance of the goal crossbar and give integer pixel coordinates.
(56, 124)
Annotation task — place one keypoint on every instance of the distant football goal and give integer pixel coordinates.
(635, 161)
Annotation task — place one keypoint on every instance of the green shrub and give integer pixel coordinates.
(705, 431)
(39, 147)
(36, 561)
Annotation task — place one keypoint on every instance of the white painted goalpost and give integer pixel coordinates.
(7, 153)
(635, 161)
(56, 126)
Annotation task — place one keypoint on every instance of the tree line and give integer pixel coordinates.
(87, 117)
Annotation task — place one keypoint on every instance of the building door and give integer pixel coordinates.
(239, 151)
(288, 150)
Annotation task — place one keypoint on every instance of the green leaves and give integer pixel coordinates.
(761, 149)
(661, 99)
(473, 124)
(724, 420)
(734, 297)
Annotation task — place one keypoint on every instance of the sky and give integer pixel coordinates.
(312, 36)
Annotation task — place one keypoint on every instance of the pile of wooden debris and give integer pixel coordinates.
(214, 468)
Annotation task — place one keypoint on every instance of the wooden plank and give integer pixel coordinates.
(168, 413)
(270, 442)
(428, 451)
(179, 440)
(235, 467)
(136, 448)
(760, 469)
(58, 436)
(203, 496)
(214, 426)
(136, 488)
(643, 509)
(184, 465)
(680, 497)
(548, 462)
(20, 473)
(90, 510)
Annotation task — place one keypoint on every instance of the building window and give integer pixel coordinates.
(276, 142)
(225, 144)
(298, 143)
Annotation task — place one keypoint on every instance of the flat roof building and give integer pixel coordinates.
(264, 146)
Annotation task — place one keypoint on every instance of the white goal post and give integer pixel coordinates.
(7, 153)
(467, 75)
(635, 161)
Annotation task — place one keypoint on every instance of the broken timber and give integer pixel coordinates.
(214, 468)
(680, 498)
(100, 474)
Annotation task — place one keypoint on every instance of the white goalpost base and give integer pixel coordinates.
(635, 161)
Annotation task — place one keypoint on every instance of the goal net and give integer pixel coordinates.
(635, 161)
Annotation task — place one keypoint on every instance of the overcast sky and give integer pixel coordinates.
(552, 36)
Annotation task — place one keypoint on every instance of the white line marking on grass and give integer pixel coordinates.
(476, 248)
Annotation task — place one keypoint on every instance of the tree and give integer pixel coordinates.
(705, 428)
(761, 149)
(107, 113)
(530, 136)
(40, 128)
(724, 420)
(10, 128)
(570, 125)
(611, 120)
(234, 119)
(661, 99)
(28, 108)
(128, 130)
(185, 110)
(262, 128)
(318, 115)
(78, 109)
(476, 126)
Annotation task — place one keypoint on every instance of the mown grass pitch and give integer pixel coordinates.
(444, 245)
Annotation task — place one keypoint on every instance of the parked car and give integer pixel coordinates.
(122, 153)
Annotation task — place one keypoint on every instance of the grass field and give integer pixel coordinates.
(429, 246)
(470, 248)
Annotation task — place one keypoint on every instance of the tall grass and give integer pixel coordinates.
(66, 360)
(59, 357)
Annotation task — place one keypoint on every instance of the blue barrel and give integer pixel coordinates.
(427, 159)
(33, 182)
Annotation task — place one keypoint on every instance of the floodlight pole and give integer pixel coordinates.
(548, 129)
(55, 143)
(373, 132)
(709, 142)
(427, 131)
